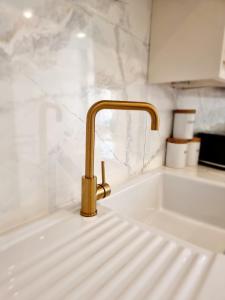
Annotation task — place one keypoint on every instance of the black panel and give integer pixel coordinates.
(212, 151)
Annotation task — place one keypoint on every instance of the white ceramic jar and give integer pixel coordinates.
(183, 127)
(193, 152)
(176, 153)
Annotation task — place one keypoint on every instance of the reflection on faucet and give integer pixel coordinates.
(91, 191)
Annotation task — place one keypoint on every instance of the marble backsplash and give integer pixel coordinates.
(56, 59)
(210, 106)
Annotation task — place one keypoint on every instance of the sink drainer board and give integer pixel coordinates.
(189, 208)
(106, 257)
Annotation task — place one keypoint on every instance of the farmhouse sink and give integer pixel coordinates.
(159, 237)
(189, 205)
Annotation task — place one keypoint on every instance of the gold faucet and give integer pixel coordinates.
(91, 191)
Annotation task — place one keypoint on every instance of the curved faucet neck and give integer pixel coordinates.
(90, 125)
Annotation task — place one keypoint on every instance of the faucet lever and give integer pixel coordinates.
(103, 172)
(103, 189)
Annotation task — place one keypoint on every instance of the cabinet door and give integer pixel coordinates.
(186, 40)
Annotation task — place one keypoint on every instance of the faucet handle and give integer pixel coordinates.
(103, 189)
(103, 171)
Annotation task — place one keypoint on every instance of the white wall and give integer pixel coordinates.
(48, 79)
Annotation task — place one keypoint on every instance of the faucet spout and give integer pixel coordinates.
(90, 190)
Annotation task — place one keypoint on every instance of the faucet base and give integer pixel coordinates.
(90, 193)
(83, 214)
(88, 203)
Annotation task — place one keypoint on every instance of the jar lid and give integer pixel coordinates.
(177, 141)
(196, 140)
(184, 111)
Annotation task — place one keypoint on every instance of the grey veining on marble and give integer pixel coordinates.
(54, 65)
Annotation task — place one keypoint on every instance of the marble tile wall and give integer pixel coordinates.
(57, 57)
(210, 106)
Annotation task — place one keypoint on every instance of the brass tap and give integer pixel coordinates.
(91, 191)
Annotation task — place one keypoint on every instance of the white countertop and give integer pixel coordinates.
(66, 256)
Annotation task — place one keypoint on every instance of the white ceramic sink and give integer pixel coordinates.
(188, 205)
(133, 249)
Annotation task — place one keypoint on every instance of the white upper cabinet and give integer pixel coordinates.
(188, 43)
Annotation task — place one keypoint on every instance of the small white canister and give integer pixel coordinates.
(183, 127)
(176, 154)
(193, 152)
